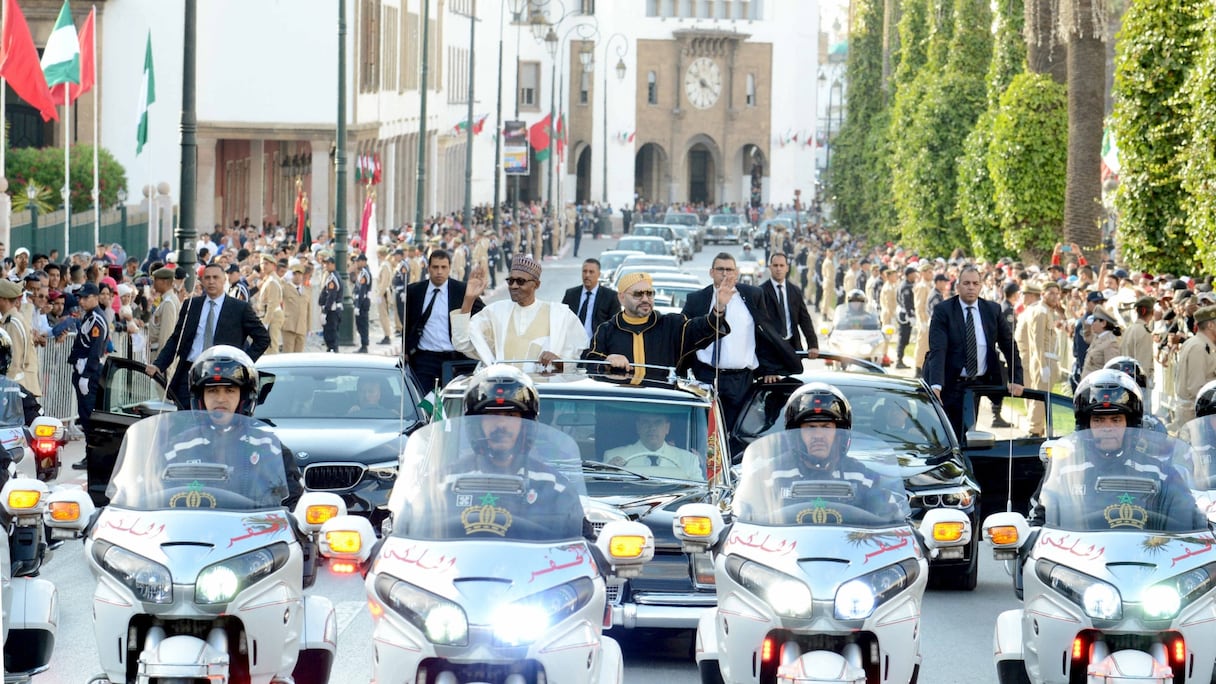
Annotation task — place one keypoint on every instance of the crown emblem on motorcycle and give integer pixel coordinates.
(1126, 514)
(820, 514)
(192, 499)
(486, 518)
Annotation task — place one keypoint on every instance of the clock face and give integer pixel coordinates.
(703, 83)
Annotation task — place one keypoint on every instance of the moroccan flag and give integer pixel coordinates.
(480, 124)
(560, 132)
(61, 58)
(1110, 155)
(713, 447)
(19, 63)
(376, 171)
(147, 95)
(301, 212)
(369, 209)
(538, 134)
(87, 69)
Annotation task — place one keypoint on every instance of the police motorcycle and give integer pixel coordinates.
(751, 266)
(485, 574)
(819, 579)
(30, 604)
(1116, 567)
(200, 574)
(857, 331)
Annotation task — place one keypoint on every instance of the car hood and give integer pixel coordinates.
(920, 470)
(365, 442)
(652, 502)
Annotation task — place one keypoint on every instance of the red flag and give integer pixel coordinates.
(538, 134)
(367, 217)
(481, 123)
(560, 132)
(87, 68)
(301, 208)
(19, 63)
(376, 170)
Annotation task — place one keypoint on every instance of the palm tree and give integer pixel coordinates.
(1044, 53)
(1083, 23)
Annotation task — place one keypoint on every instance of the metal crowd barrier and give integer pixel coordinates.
(55, 373)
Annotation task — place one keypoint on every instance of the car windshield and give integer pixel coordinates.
(651, 260)
(313, 392)
(489, 477)
(855, 316)
(663, 232)
(685, 219)
(1120, 479)
(610, 260)
(196, 459)
(724, 220)
(648, 246)
(674, 294)
(817, 476)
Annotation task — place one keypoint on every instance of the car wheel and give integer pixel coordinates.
(710, 672)
(1012, 672)
(957, 577)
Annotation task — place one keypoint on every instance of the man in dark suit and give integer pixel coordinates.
(206, 321)
(590, 302)
(965, 333)
(786, 307)
(428, 327)
(753, 349)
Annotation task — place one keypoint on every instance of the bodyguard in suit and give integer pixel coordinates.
(753, 349)
(965, 333)
(214, 318)
(786, 307)
(590, 302)
(428, 327)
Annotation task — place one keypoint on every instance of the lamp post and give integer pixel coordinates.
(420, 194)
(122, 210)
(346, 328)
(468, 132)
(31, 194)
(620, 74)
(516, 7)
(186, 234)
(827, 164)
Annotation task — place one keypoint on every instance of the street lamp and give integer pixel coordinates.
(424, 86)
(620, 74)
(122, 208)
(31, 194)
(186, 234)
(516, 7)
(827, 164)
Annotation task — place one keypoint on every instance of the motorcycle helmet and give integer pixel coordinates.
(857, 296)
(6, 352)
(500, 388)
(1108, 391)
(224, 365)
(818, 402)
(1130, 366)
(1205, 401)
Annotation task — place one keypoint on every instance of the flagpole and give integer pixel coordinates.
(96, 145)
(67, 167)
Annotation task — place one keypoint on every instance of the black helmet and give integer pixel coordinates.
(1205, 401)
(818, 402)
(1130, 366)
(224, 365)
(6, 352)
(856, 296)
(501, 388)
(1108, 391)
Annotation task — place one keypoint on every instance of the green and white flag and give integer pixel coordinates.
(147, 95)
(432, 405)
(61, 58)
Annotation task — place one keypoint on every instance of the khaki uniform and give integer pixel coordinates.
(828, 273)
(459, 262)
(24, 366)
(297, 316)
(1137, 342)
(270, 310)
(382, 295)
(1104, 348)
(481, 253)
(417, 265)
(920, 298)
(1196, 366)
(1043, 368)
(1021, 335)
(163, 320)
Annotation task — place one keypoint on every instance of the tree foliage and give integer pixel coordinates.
(976, 206)
(1155, 52)
(1199, 173)
(1027, 160)
(44, 167)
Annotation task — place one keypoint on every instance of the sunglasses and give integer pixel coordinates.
(642, 294)
(520, 282)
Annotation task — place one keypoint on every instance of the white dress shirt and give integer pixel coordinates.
(436, 333)
(582, 295)
(738, 347)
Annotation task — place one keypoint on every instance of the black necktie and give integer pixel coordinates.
(784, 312)
(973, 359)
(582, 310)
(426, 313)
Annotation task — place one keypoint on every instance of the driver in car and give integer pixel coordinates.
(819, 414)
(223, 383)
(370, 392)
(652, 452)
(1107, 403)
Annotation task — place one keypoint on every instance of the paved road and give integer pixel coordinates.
(957, 627)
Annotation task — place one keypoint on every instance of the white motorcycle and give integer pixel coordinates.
(199, 571)
(1116, 583)
(485, 576)
(819, 579)
(30, 605)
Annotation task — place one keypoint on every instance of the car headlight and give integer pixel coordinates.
(1100, 600)
(149, 580)
(857, 598)
(442, 621)
(526, 620)
(383, 471)
(788, 596)
(220, 583)
(1163, 601)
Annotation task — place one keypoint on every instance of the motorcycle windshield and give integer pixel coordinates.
(1200, 433)
(820, 476)
(1119, 479)
(197, 459)
(854, 316)
(12, 414)
(489, 477)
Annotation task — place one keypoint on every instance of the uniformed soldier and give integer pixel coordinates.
(237, 287)
(1032, 291)
(827, 274)
(1138, 344)
(382, 292)
(417, 268)
(85, 357)
(887, 305)
(164, 317)
(905, 301)
(401, 278)
(460, 261)
(24, 365)
(1104, 346)
(1196, 365)
(920, 300)
(269, 305)
(1044, 362)
(362, 292)
(297, 313)
(331, 304)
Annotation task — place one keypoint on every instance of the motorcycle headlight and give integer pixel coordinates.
(1099, 599)
(524, 621)
(149, 580)
(442, 621)
(857, 598)
(220, 583)
(788, 596)
(1163, 601)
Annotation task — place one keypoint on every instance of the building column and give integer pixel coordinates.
(204, 209)
(318, 194)
(257, 182)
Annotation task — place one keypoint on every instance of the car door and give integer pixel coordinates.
(126, 394)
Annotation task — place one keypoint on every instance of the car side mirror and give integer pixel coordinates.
(978, 439)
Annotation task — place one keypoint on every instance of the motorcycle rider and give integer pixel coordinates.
(817, 416)
(1135, 371)
(1107, 403)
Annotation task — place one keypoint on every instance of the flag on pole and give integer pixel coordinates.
(538, 136)
(480, 124)
(87, 67)
(301, 212)
(19, 63)
(61, 58)
(147, 95)
(560, 132)
(1110, 155)
(376, 170)
(432, 405)
(369, 212)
